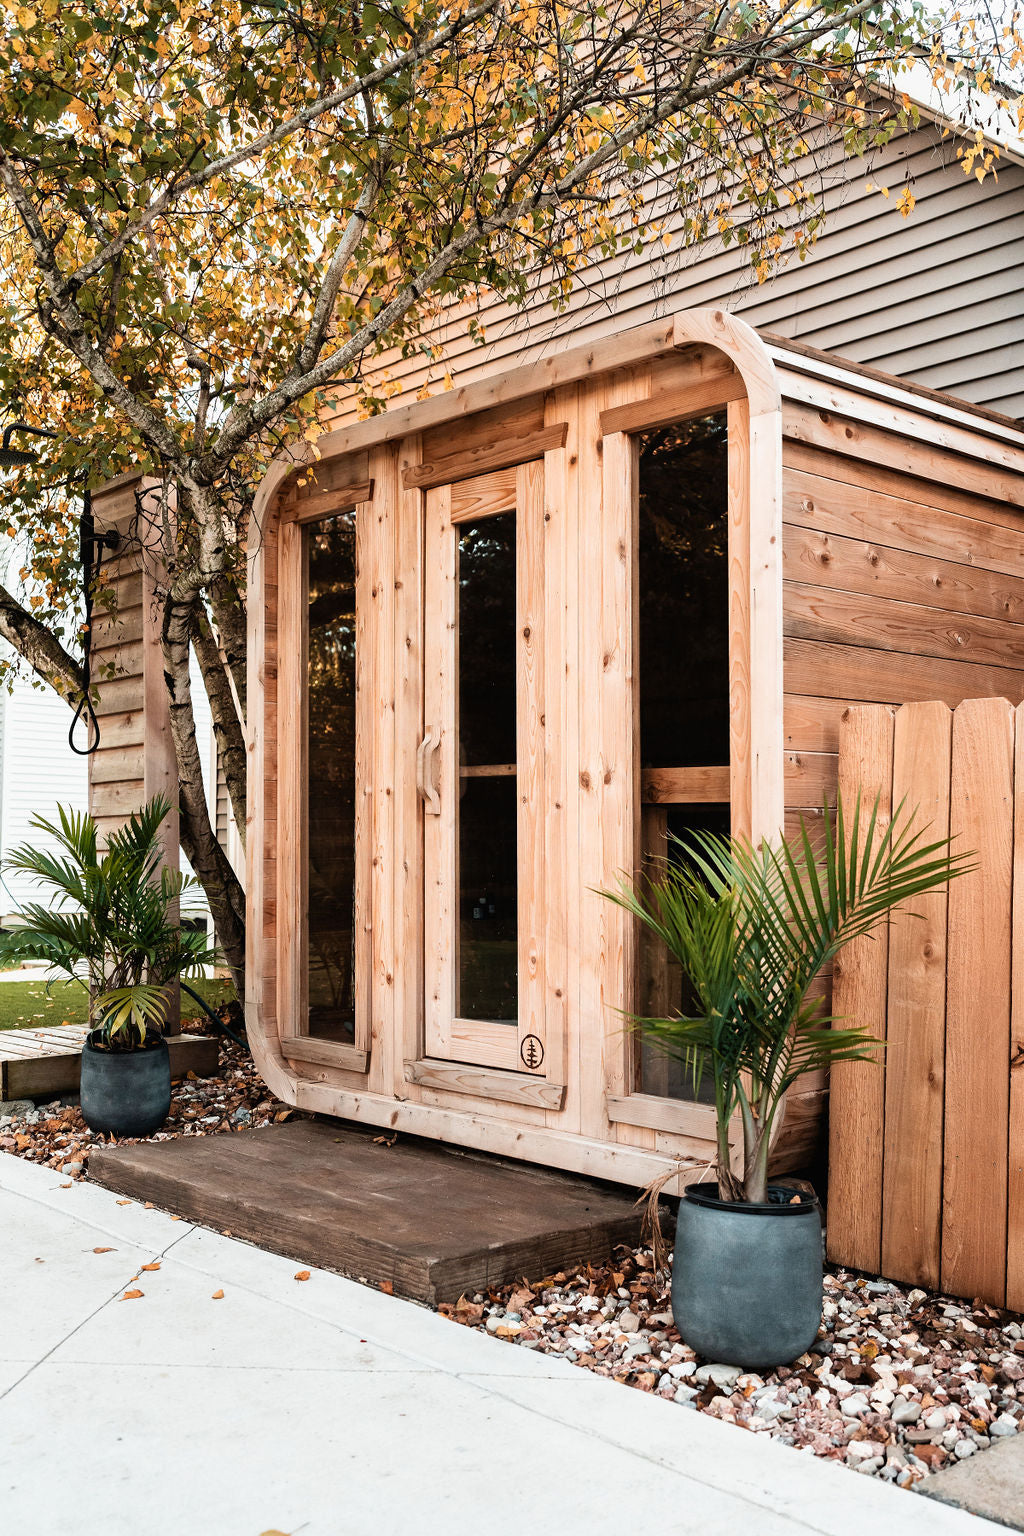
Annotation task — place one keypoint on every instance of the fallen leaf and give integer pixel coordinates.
(385, 1141)
(283, 1114)
(148, 1206)
(68, 1184)
(104, 1250)
(124, 1202)
(303, 1274)
(388, 1287)
(217, 1296)
(132, 1295)
(151, 1266)
(175, 1218)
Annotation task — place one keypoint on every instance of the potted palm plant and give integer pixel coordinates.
(112, 923)
(751, 929)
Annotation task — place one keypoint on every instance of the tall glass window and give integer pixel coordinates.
(331, 776)
(487, 970)
(683, 667)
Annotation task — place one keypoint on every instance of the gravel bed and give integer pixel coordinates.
(55, 1135)
(899, 1382)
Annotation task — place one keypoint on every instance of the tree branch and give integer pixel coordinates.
(303, 119)
(41, 649)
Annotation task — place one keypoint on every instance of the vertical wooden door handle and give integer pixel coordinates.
(425, 757)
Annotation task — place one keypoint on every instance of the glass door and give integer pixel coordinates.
(481, 770)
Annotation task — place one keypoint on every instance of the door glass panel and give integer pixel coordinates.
(487, 968)
(683, 667)
(331, 780)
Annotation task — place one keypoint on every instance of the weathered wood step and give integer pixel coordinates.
(36, 1062)
(423, 1219)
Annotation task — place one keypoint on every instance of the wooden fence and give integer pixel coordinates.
(926, 1154)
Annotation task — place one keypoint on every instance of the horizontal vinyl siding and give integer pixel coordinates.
(40, 772)
(932, 297)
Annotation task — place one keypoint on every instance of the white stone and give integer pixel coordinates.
(1006, 1424)
(904, 1412)
(721, 1375)
(855, 1406)
(936, 1419)
(963, 1449)
(629, 1322)
(863, 1450)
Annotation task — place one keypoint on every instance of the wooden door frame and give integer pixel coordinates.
(465, 1055)
(294, 527)
(429, 1108)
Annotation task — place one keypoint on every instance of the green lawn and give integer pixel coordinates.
(27, 1003)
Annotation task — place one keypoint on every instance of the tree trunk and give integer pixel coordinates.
(227, 728)
(198, 836)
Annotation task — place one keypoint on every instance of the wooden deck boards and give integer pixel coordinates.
(430, 1222)
(34, 1062)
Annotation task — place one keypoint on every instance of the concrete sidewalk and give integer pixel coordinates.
(324, 1408)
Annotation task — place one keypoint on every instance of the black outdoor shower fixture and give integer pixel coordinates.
(91, 546)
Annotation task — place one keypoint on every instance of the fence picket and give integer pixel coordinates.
(916, 1025)
(975, 1142)
(854, 1230)
(1015, 1149)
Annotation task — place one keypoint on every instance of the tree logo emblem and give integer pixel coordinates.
(532, 1052)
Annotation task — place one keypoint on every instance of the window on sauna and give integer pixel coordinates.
(487, 971)
(330, 755)
(683, 665)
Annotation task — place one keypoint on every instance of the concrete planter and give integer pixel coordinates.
(126, 1093)
(747, 1279)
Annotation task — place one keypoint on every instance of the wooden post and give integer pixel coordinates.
(135, 759)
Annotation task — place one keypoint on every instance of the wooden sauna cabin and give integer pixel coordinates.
(506, 641)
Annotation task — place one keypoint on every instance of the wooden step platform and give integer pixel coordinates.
(423, 1219)
(37, 1062)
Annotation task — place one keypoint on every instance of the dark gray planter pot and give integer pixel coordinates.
(747, 1279)
(126, 1093)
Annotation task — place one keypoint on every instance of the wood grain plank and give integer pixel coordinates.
(868, 675)
(408, 828)
(379, 1024)
(668, 406)
(857, 1103)
(484, 1083)
(685, 786)
(741, 767)
(859, 565)
(916, 1028)
(855, 439)
(531, 747)
(845, 618)
(484, 495)
(1015, 1130)
(495, 455)
(978, 1004)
